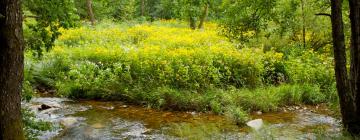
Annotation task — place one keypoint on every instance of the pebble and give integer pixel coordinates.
(258, 113)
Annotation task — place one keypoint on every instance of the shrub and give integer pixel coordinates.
(90, 68)
(312, 68)
(239, 116)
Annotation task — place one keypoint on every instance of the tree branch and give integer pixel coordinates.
(323, 14)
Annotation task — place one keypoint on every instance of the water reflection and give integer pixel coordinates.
(116, 120)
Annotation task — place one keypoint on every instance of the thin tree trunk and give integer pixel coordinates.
(192, 22)
(354, 124)
(204, 16)
(11, 70)
(303, 23)
(142, 7)
(90, 11)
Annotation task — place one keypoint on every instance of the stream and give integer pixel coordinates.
(112, 120)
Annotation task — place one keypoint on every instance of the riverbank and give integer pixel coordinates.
(117, 120)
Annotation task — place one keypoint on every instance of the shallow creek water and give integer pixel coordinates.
(116, 120)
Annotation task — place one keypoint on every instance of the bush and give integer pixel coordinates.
(239, 116)
(312, 68)
(151, 67)
(96, 61)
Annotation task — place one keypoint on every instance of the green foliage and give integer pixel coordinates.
(242, 17)
(301, 94)
(149, 59)
(124, 10)
(239, 116)
(270, 98)
(280, 21)
(193, 61)
(167, 9)
(50, 16)
(311, 67)
(164, 65)
(27, 91)
(33, 127)
(140, 68)
(27, 85)
(168, 66)
(234, 103)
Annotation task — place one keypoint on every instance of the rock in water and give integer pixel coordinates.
(255, 124)
(68, 121)
(258, 113)
(44, 107)
(97, 126)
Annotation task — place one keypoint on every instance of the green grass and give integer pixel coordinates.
(32, 126)
(233, 103)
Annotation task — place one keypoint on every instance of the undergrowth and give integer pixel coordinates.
(175, 68)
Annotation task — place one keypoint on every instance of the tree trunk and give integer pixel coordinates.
(203, 16)
(354, 124)
(192, 22)
(342, 83)
(347, 87)
(11, 70)
(142, 7)
(303, 23)
(90, 11)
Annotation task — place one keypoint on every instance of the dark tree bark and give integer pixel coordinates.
(203, 16)
(90, 11)
(347, 88)
(354, 124)
(11, 69)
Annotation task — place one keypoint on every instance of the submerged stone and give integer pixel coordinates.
(255, 124)
(97, 126)
(68, 121)
(258, 113)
